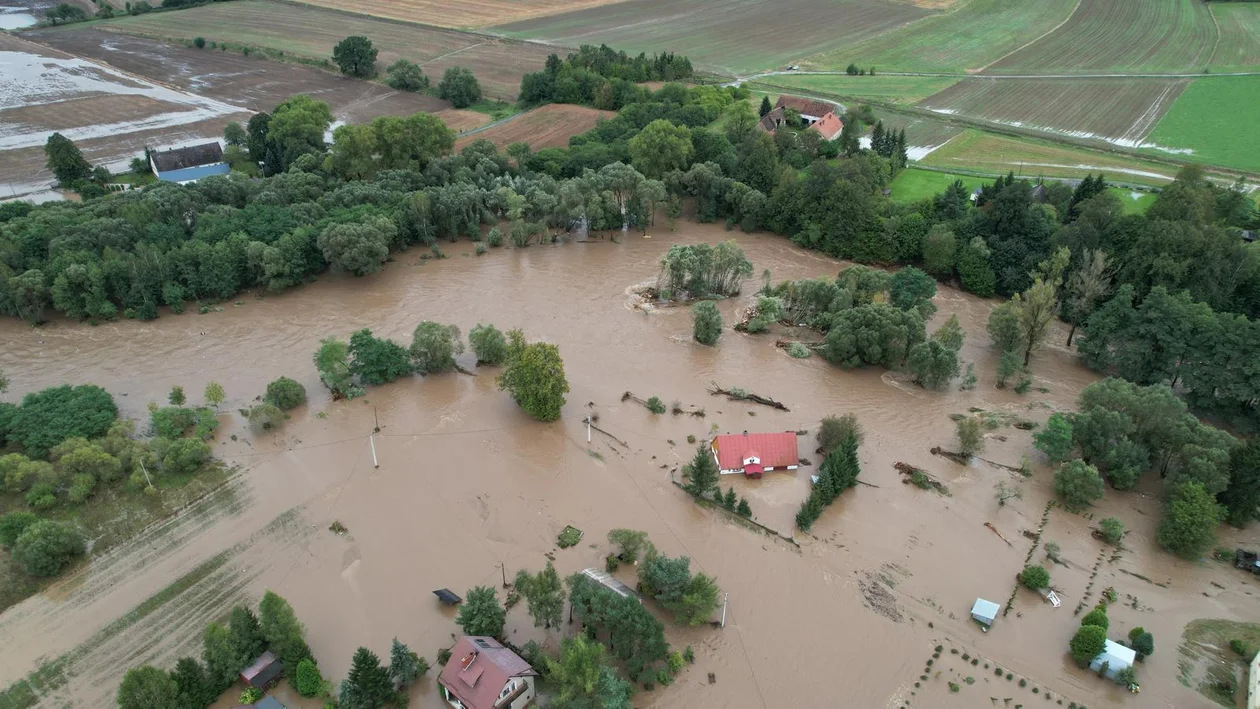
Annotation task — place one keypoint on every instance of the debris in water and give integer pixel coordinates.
(738, 394)
(337, 527)
(920, 478)
(878, 598)
(995, 531)
(569, 537)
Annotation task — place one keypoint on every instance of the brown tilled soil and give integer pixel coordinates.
(478, 13)
(548, 126)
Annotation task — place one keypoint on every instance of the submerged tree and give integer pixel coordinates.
(707, 326)
(481, 613)
(544, 594)
(488, 344)
(434, 347)
(702, 472)
(534, 375)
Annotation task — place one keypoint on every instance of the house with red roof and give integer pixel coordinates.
(829, 126)
(483, 674)
(755, 453)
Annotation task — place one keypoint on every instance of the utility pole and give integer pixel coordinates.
(376, 419)
(372, 440)
(146, 472)
(503, 572)
(725, 598)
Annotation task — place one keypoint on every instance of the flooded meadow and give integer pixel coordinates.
(469, 488)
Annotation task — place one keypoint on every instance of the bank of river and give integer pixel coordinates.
(467, 482)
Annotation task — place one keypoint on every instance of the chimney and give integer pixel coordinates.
(468, 660)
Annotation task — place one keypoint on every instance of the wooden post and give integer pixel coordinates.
(503, 572)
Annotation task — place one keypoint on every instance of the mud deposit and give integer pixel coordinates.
(467, 482)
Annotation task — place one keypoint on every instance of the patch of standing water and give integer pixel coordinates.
(15, 18)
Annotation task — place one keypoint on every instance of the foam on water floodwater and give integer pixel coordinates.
(32, 80)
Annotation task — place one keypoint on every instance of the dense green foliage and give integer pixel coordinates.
(12, 525)
(1098, 616)
(434, 347)
(1055, 438)
(839, 470)
(601, 77)
(1035, 577)
(147, 687)
(1078, 483)
(488, 344)
(1087, 643)
(481, 613)
(405, 75)
(368, 685)
(707, 322)
(48, 417)
(460, 87)
(1242, 498)
(700, 270)
(307, 680)
(631, 632)
(355, 56)
(544, 594)
(691, 599)
(282, 631)
(834, 430)
(285, 393)
(534, 376)
(377, 360)
(701, 473)
(584, 679)
(65, 161)
(1188, 528)
(45, 547)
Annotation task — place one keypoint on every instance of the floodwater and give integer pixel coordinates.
(15, 18)
(466, 482)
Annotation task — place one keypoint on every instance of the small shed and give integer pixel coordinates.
(1115, 657)
(445, 595)
(262, 671)
(985, 612)
(606, 580)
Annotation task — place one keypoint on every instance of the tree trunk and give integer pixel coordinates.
(1070, 334)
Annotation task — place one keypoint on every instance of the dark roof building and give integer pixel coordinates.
(483, 674)
(772, 120)
(188, 164)
(262, 671)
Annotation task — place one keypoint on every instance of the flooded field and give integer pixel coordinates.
(467, 482)
(114, 94)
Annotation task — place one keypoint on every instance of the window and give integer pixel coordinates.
(508, 689)
(482, 643)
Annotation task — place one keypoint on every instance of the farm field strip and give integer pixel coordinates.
(970, 35)
(463, 14)
(735, 36)
(312, 32)
(548, 126)
(1214, 121)
(1238, 48)
(898, 89)
(1119, 111)
(1122, 35)
(990, 153)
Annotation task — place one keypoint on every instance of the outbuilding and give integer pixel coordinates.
(262, 671)
(1114, 658)
(755, 453)
(984, 612)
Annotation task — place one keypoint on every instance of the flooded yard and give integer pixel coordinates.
(467, 484)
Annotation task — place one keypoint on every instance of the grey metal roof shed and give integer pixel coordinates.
(985, 611)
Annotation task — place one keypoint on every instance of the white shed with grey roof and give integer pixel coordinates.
(985, 611)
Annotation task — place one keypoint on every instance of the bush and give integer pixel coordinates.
(655, 405)
(489, 344)
(707, 325)
(41, 496)
(1112, 530)
(1078, 483)
(798, 350)
(309, 681)
(1087, 643)
(1035, 577)
(184, 456)
(12, 525)
(1098, 617)
(1239, 647)
(251, 695)
(970, 435)
(834, 430)
(285, 393)
(494, 238)
(199, 42)
(45, 547)
(49, 417)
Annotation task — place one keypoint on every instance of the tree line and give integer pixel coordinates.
(600, 77)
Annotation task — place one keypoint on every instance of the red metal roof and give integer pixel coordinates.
(829, 126)
(776, 450)
(479, 668)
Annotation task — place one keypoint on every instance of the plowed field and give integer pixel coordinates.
(477, 13)
(739, 36)
(548, 126)
(312, 32)
(1120, 111)
(1122, 35)
(1239, 46)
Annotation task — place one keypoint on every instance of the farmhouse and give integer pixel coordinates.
(482, 674)
(1114, 658)
(829, 126)
(811, 110)
(184, 165)
(755, 453)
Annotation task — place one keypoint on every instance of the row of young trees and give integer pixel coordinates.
(227, 649)
(838, 441)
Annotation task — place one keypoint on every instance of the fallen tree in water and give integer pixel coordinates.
(737, 394)
(920, 478)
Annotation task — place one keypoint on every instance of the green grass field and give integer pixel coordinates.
(1238, 48)
(969, 36)
(1216, 117)
(897, 89)
(913, 184)
(989, 153)
(1132, 204)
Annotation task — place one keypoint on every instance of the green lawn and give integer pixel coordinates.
(897, 89)
(913, 184)
(1215, 117)
(969, 36)
(1133, 205)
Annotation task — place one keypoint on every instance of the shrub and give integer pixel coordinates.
(41, 496)
(45, 547)
(970, 435)
(13, 524)
(1034, 577)
(495, 238)
(1098, 617)
(655, 405)
(1087, 643)
(1112, 530)
(798, 350)
(834, 430)
(49, 417)
(1239, 647)
(200, 43)
(251, 695)
(488, 343)
(308, 681)
(285, 393)
(707, 325)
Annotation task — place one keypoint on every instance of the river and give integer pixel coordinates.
(466, 481)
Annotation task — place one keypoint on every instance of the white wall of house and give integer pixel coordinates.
(526, 697)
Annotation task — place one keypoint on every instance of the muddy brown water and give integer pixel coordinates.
(467, 482)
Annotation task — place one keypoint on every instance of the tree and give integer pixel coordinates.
(308, 681)
(48, 417)
(692, 599)
(488, 344)
(970, 435)
(1097, 617)
(702, 472)
(404, 75)
(460, 87)
(765, 107)
(65, 161)
(1242, 498)
(1143, 643)
(282, 631)
(65, 12)
(411, 142)
(975, 268)
(195, 688)
(434, 347)
(176, 397)
(939, 249)
(376, 360)
(481, 613)
(234, 135)
(584, 680)
(358, 248)
(1004, 324)
(950, 334)
(1035, 577)
(285, 393)
(1087, 644)
(630, 541)
(1086, 286)
(405, 666)
(13, 524)
(296, 128)
(1055, 439)
(1036, 310)
(911, 288)
(353, 152)
(835, 430)
(368, 685)
(872, 334)
(1190, 520)
(147, 687)
(1008, 366)
(661, 147)
(214, 394)
(1112, 530)
(332, 360)
(356, 56)
(707, 322)
(544, 594)
(1078, 483)
(1005, 491)
(45, 547)
(220, 657)
(739, 122)
(534, 375)
(247, 638)
(934, 365)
